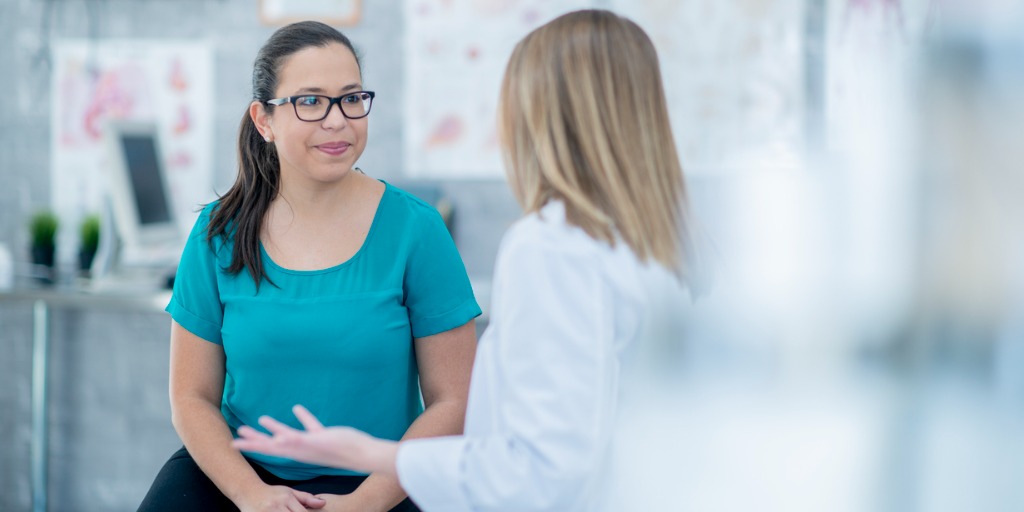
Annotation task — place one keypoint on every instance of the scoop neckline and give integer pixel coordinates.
(354, 257)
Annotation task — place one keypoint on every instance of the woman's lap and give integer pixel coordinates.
(182, 485)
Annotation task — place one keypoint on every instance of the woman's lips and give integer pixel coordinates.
(334, 148)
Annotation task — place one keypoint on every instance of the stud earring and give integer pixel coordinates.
(266, 139)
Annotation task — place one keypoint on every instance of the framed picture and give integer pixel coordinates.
(331, 12)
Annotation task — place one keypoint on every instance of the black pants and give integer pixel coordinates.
(182, 486)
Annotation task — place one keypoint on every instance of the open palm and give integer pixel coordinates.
(341, 447)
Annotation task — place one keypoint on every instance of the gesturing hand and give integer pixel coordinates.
(341, 447)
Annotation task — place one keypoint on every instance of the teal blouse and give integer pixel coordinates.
(339, 340)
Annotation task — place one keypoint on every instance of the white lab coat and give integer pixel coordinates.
(543, 395)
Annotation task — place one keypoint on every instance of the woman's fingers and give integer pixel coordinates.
(275, 427)
(247, 432)
(281, 438)
(250, 439)
(306, 418)
(253, 445)
(308, 500)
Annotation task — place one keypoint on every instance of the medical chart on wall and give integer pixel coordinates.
(456, 52)
(870, 50)
(169, 82)
(733, 73)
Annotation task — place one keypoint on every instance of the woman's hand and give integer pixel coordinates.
(275, 498)
(341, 447)
(347, 503)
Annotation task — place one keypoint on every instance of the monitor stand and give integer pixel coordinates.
(114, 269)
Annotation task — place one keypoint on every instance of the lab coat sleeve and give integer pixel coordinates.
(554, 354)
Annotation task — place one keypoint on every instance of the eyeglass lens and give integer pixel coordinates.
(316, 107)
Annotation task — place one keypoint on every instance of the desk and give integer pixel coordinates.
(43, 300)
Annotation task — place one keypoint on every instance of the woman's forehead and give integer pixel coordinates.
(325, 67)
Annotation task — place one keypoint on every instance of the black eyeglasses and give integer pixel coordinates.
(315, 107)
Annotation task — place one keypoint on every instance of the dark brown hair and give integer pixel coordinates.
(241, 210)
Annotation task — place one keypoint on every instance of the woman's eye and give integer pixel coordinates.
(308, 101)
(352, 98)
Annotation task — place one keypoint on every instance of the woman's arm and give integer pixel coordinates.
(445, 363)
(551, 361)
(196, 385)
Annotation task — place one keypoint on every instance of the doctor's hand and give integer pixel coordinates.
(340, 447)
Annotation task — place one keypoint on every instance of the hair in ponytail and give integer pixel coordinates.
(239, 214)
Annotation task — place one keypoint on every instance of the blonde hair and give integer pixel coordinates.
(583, 119)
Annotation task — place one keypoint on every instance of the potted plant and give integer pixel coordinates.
(43, 229)
(89, 237)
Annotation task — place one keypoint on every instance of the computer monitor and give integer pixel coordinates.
(140, 203)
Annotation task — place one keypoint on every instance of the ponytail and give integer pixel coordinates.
(240, 213)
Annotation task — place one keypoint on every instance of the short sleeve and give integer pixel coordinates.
(437, 290)
(195, 302)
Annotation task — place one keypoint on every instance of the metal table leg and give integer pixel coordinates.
(40, 339)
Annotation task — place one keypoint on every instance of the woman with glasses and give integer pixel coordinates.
(310, 282)
(598, 262)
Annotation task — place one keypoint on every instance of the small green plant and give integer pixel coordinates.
(43, 230)
(89, 232)
(43, 227)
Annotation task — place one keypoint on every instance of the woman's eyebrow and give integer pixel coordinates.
(321, 90)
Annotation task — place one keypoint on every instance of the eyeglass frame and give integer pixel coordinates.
(336, 100)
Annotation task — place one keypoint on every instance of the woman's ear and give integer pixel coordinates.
(261, 118)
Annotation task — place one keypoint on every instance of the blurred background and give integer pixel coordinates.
(854, 166)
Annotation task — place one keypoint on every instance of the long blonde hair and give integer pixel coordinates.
(583, 118)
